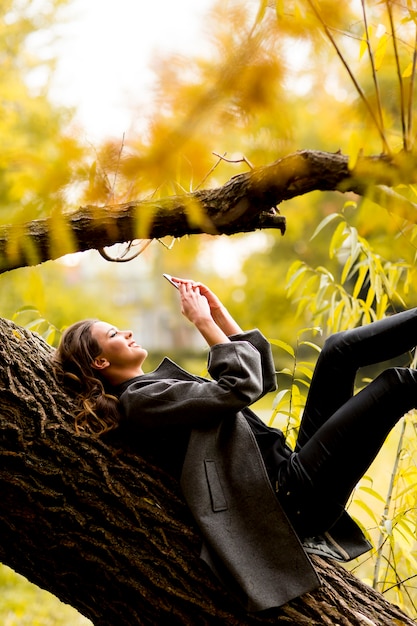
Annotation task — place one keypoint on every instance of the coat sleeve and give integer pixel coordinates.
(237, 381)
(257, 339)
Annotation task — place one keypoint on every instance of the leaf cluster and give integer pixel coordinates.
(39, 158)
(367, 288)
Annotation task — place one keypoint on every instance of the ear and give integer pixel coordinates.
(100, 363)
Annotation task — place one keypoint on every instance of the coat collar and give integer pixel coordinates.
(165, 370)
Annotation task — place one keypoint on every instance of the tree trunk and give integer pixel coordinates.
(247, 202)
(110, 534)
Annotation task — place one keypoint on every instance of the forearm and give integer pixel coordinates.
(211, 331)
(225, 321)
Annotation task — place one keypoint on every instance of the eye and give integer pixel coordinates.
(113, 333)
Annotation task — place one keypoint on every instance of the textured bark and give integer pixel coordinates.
(247, 202)
(109, 533)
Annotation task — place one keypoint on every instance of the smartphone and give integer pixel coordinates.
(169, 279)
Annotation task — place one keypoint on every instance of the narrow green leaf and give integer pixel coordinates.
(283, 345)
(310, 344)
(327, 220)
(362, 273)
(338, 239)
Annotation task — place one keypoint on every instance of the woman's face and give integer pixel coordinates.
(118, 346)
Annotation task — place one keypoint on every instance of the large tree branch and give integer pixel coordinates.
(109, 533)
(247, 202)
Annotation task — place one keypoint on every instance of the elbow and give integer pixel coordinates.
(249, 393)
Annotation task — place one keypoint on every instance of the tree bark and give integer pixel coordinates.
(247, 202)
(109, 533)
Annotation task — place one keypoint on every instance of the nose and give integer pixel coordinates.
(128, 334)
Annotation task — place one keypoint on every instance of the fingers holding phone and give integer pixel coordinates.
(207, 301)
(171, 280)
(212, 299)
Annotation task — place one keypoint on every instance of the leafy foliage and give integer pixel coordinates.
(17, 594)
(336, 304)
(368, 275)
(40, 159)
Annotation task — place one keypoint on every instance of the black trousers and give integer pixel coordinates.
(341, 433)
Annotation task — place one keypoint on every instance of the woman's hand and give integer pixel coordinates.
(196, 308)
(218, 311)
(212, 299)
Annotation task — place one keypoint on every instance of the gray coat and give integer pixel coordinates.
(248, 540)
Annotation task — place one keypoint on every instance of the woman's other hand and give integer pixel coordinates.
(218, 311)
(196, 308)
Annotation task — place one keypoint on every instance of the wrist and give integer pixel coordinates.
(219, 309)
(202, 322)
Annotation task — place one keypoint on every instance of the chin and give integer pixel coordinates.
(144, 354)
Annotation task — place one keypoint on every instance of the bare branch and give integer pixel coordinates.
(372, 61)
(411, 90)
(399, 76)
(242, 160)
(351, 75)
(124, 257)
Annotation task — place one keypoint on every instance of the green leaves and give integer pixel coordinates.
(365, 289)
(30, 318)
(24, 604)
(360, 287)
(38, 160)
(295, 379)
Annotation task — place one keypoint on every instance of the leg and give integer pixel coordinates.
(317, 482)
(342, 355)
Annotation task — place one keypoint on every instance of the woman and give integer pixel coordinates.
(260, 506)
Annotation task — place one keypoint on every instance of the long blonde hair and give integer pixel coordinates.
(98, 411)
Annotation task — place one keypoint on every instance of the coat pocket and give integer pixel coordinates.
(218, 500)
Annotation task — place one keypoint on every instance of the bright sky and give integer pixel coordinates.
(105, 50)
(104, 55)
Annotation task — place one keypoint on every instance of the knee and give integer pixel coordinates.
(334, 351)
(395, 391)
(398, 376)
(335, 344)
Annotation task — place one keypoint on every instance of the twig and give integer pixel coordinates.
(211, 170)
(242, 160)
(387, 505)
(122, 145)
(351, 75)
(168, 246)
(401, 582)
(372, 61)
(123, 258)
(400, 80)
(411, 89)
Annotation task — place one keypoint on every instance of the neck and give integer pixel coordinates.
(117, 377)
